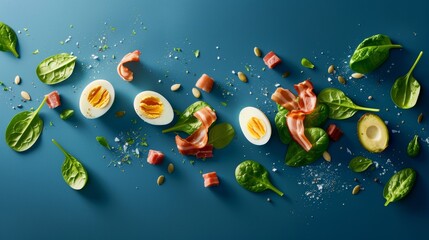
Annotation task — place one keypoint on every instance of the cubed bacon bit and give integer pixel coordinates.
(205, 82)
(334, 132)
(155, 157)
(53, 99)
(210, 179)
(272, 60)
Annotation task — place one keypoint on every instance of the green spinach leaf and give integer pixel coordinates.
(187, 122)
(281, 125)
(254, 177)
(371, 53)
(399, 185)
(360, 164)
(306, 63)
(56, 68)
(103, 142)
(296, 156)
(406, 89)
(220, 135)
(340, 106)
(8, 39)
(66, 114)
(24, 129)
(73, 172)
(413, 148)
(318, 117)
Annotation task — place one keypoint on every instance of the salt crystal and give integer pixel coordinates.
(117, 139)
(274, 169)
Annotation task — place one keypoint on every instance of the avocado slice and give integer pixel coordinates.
(372, 133)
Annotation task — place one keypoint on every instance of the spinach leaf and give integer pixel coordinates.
(399, 185)
(360, 164)
(254, 177)
(318, 117)
(73, 171)
(306, 63)
(413, 148)
(187, 122)
(220, 135)
(371, 53)
(103, 142)
(66, 114)
(8, 39)
(24, 129)
(296, 156)
(281, 125)
(56, 68)
(340, 106)
(406, 89)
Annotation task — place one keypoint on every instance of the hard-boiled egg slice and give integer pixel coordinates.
(153, 108)
(96, 98)
(255, 125)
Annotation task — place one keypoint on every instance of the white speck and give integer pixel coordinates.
(159, 81)
(218, 58)
(217, 47)
(396, 131)
(386, 122)
(320, 187)
(349, 151)
(117, 139)
(94, 57)
(274, 169)
(233, 72)
(277, 85)
(176, 57)
(329, 79)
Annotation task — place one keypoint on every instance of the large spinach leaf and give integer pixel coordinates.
(406, 89)
(220, 135)
(399, 185)
(8, 39)
(56, 68)
(74, 173)
(24, 129)
(318, 117)
(296, 156)
(413, 147)
(254, 177)
(187, 122)
(281, 125)
(371, 53)
(340, 106)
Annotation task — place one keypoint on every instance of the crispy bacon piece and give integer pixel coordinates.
(295, 123)
(53, 99)
(306, 97)
(210, 179)
(124, 72)
(205, 82)
(197, 141)
(285, 98)
(205, 152)
(155, 157)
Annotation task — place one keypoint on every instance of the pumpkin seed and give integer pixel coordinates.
(326, 156)
(17, 80)
(331, 69)
(420, 118)
(196, 92)
(175, 87)
(160, 180)
(341, 80)
(25, 96)
(285, 74)
(356, 190)
(170, 168)
(257, 51)
(119, 114)
(242, 76)
(357, 75)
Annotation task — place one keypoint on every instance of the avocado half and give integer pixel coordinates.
(373, 133)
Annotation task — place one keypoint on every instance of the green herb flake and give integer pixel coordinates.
(306, 63)
(103, 142)
(177, 49)
(66, 114)
(197, 53)
(51, 124)
(224, 104)
(35, 52)
(133, 33)
(71, 26)
(247, 68)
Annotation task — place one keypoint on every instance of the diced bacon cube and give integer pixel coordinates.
(205, 82)
(53, 99)
(271, 59)
(210, 179)
(155, 157)
(334, 132)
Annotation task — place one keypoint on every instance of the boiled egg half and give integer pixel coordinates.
(96, 98)
(153, 108)
(255, 125)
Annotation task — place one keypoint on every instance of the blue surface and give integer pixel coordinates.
(126, 203)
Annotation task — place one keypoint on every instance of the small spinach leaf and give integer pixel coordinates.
(406, 89)
(8, 39)
(254, 177)
(340, 106)
(318, 117)
(399, 185)
(296, 156)
(187, 122)
(103, 142)
(56, 68)
(371, 53)
(413, 148)
(220, 135)
(66, 114)
(360, 164)
(24, 129)
(281, 124)
(73, 172)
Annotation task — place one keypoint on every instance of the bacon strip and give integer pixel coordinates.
(124, 72)
(307, 98)
(197, 141)
(285, 98)
(295, 123)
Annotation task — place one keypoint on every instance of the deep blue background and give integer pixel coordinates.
(125, 202)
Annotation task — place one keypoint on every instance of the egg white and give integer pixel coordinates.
(167, 114)
(245, 115)
(86, 108)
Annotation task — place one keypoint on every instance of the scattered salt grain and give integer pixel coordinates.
(117, 139)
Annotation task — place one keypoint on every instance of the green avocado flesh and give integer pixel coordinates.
(372, 133)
